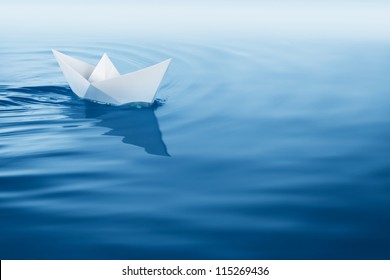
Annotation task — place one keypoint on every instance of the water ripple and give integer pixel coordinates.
(251, 150)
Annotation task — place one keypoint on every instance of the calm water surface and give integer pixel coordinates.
(253, 150)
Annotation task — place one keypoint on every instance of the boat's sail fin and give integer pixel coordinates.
(104, 70)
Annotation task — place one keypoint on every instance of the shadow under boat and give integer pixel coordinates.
(137, 126)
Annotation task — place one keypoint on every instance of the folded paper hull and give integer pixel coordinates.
(136, 87)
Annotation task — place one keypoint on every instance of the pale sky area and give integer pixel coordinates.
(331, 18)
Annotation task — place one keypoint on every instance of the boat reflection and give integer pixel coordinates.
(137, 126)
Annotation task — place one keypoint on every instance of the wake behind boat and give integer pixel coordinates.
(104, 84)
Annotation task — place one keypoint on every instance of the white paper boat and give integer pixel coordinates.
(104, 84)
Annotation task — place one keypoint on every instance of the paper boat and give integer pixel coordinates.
(104, 83)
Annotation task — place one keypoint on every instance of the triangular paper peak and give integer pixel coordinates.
(104, 70)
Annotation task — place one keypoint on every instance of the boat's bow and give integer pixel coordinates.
(76, 72)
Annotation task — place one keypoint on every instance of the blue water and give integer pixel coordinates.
(254, 149)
